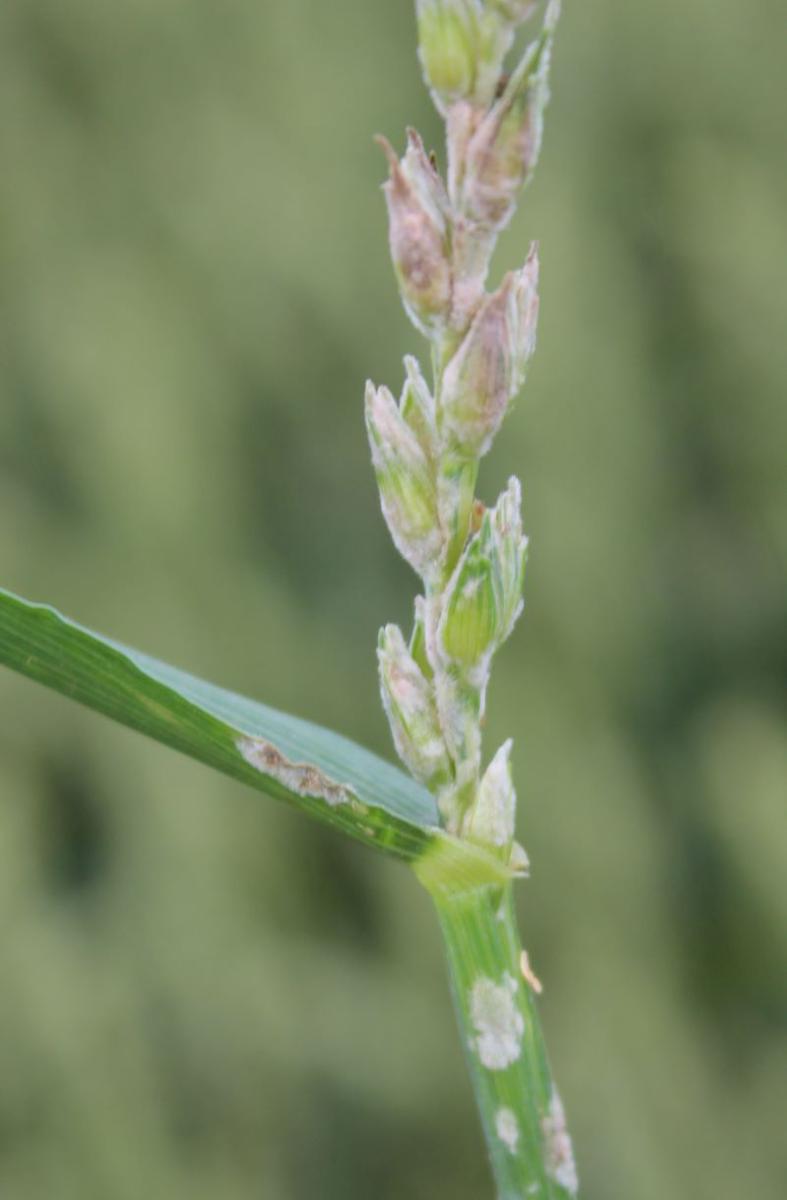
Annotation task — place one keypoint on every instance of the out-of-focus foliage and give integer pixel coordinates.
(202, 994)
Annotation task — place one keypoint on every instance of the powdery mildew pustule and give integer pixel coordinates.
(498, 1023)
(302, 778)
(507, 1128)
(558, 1151)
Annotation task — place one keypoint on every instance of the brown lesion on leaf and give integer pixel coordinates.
(303, 778)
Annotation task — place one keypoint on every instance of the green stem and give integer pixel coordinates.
(520, 1113)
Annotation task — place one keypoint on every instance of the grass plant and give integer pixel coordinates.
(451, 818)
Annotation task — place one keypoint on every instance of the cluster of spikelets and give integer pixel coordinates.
(426, 448)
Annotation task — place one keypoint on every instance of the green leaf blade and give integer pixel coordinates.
(320, 772)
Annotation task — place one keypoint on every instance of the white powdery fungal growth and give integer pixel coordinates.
(408, 699)
(489, 367)
(492, 818)
(507, 1128)
(558, 1151)
(497, 1021)
(408, 494)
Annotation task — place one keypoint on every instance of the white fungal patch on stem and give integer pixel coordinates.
(303, 778)
(497, 1021)
(507, 1128)
(558, 1151)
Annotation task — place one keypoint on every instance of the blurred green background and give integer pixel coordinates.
(201, 994)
